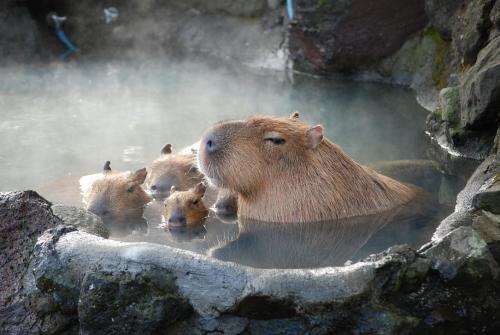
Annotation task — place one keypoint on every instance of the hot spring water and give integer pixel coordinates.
(63, 121)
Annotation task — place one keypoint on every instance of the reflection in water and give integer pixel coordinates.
(294, 245)
(314, 244)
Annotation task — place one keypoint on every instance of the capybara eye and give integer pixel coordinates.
(130, 189)
(275, 140)
(196, 201)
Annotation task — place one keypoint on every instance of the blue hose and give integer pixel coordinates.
(289, 7)
(65, 40)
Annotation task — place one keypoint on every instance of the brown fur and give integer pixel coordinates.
(173, 169)
(116, 196)
(180, 170)
(188, 203)
(308, 178)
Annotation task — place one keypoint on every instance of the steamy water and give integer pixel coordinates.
(63, 121)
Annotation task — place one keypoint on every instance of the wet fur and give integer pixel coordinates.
(183, 200)
(109, 189)
(296, 183)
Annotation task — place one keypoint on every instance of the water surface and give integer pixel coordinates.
(63, 121)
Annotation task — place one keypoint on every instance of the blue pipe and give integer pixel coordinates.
(289, 7)
(63, 38)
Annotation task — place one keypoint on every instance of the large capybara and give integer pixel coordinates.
(185, 208)
(180, 170)
(115, 196)
(286, 171)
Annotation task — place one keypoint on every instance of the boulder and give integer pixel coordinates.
(470, 30)
(488, 199)
(442, 14)
(24, 216)
(125, 303)
(480, 91)
(463, 253)
(82, 219)
(342, 35)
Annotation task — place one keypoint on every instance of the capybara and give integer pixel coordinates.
(180, 170)
(173, 169)
(286, 171)
(115, 196)
(185, 208)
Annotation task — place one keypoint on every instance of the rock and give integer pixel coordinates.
(342, 35)
(463, 253)
(442, 14)
(124, 303)
(449, 101)
(470, 30)
(24, 216)
(488, 199)
(480, 91)
(82, 219)
(455, 220)
(226, 324)
(495, 20)
(277, 327)
(488, 226)
(415, 65)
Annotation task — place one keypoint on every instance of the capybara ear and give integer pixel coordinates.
(173, 190)
(295, 115)
(139, 176)
(314, 135)
(107, 167)
(200, 189)
(167, 149)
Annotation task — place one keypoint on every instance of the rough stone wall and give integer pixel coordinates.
(330, 36)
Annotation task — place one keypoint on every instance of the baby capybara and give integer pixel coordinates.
(185, 208)
(286, 171)
(180, 170)
(115, 196)
(173, 169)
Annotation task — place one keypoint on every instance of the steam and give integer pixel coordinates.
(132, 88)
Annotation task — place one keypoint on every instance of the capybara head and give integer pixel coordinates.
(173, 169)
(243, 155)
(116, 196)
(185, 208)
(286, 171)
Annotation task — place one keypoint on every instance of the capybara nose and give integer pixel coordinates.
(211, 144)
(177, 218)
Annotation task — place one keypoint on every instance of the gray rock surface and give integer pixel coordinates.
(463, 252)
(470, 29)
(480, 91)
(342, 35)
(442, 14)
(23, 218)
(82, 219)
(124, 302)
